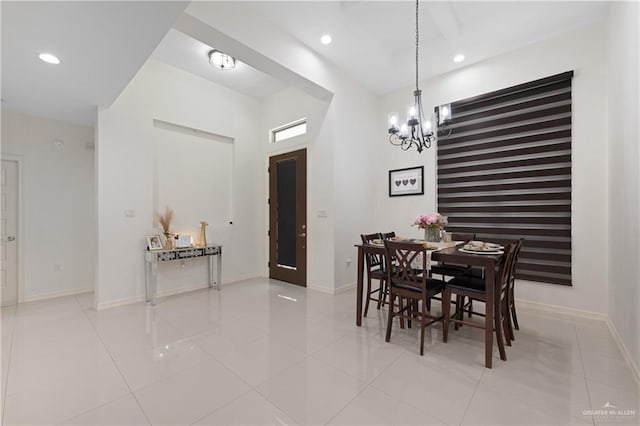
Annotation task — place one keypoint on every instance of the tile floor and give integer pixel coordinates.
(248, 355)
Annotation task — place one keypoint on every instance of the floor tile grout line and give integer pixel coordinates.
(473, 395)
(584, 371)
(6, 391)
(223, 406)
(117, 368)
(366, 386)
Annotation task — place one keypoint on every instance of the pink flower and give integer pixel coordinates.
(430, 220)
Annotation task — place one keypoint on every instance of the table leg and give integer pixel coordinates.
(219, 271)
(147, 272)
(489, 312)
(359, 287)
(153, 287)
(210, 271)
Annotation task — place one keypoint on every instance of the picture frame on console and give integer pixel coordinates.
(154, 242)
(408, 181)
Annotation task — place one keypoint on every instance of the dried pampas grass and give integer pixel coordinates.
(165, 219)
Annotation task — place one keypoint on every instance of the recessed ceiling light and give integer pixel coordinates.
(458, 58)
(49, 58)
(326, 39)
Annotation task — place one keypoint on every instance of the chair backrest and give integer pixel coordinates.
(404, 255)
(515, 260)
(374, 261)
(504, 268)
(456, 236)
(387, 235)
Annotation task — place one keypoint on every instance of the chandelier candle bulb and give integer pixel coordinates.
(393, 121)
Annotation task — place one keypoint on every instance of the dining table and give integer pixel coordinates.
(451, 254)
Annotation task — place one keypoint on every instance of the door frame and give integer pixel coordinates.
(266, 227)
(19, 159)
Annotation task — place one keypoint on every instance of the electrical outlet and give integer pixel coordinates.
(129, 213)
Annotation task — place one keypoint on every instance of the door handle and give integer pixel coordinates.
(304, 234)
(11, 238)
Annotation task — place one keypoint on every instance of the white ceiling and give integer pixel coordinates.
(103, 44)
(374, 41)
(184, 52)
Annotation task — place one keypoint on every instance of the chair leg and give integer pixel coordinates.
(512, 304)
(383, 293)
(380, 294)
(506, 323)
(459, 307)
(366, 304)
(422, 327)
(390, 318)
(514, 317)
(446, 310)
(470, 307)
(497, 320)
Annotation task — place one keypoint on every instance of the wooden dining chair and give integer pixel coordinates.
(474, 288)
(387, 235)
(411, 283)
(510, 312)
(375, 266)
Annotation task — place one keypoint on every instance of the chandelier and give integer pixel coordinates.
(416, 131)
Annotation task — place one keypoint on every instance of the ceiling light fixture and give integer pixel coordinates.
(458, 58)
(416, 131)
(49, 58)
(221, 60)
(326, 39)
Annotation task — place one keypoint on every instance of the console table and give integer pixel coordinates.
(152, 258)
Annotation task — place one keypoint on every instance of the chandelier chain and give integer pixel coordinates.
(417, 42)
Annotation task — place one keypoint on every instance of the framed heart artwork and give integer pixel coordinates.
(409, 181)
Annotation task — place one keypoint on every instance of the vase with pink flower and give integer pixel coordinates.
(432, 224)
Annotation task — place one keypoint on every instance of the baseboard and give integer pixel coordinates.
(561, 310)
(345, 288)
(119, 302)
(332, 291)
(59, 293)
(625, 352)
(321, 289)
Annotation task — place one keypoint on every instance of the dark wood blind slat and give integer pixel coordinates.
(451, 148)
(559, 97)
(563, 171)
(532, 127)
(546, 84)
(552, 159)
(507, 186)
(553, 148)
(516, 118)
(552, 208)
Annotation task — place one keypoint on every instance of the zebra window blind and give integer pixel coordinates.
(504, 172)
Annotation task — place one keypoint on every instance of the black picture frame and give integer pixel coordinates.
(408, 181)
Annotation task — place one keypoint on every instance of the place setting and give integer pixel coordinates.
(481, 247)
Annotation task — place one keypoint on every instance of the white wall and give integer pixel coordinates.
(624, 179)
(125, 177)
(284, 107)
(582, 51)
(58, 216)
(341, 166)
